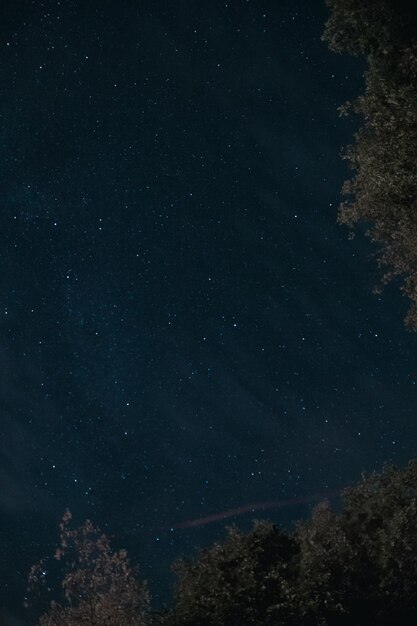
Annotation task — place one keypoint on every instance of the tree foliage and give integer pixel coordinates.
(358, 567)
(242, 581)
(383, 191)
(99, 586)
(352, 568)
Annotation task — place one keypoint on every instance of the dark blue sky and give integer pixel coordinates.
(184, 327)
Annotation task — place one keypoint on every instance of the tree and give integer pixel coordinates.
(99, 586)
(244, 581)
(383, 192)
(355, 568)
(361, 567)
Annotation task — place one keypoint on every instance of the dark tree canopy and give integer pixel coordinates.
(383, 191)
(360, 567)
(353, 568)
(242, 581)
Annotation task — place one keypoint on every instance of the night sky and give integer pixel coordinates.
(185, 329)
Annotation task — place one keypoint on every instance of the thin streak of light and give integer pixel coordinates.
(255, 506)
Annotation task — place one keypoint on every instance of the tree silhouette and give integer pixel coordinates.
(355, 568)
(383, 192)
(99, 586)
(242, 581)
(361, 567)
